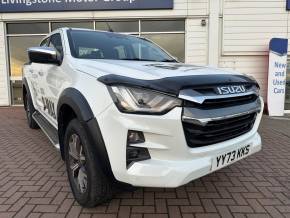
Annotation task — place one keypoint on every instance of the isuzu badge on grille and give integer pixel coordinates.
(226, 90)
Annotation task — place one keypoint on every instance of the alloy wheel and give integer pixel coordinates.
(77, 163)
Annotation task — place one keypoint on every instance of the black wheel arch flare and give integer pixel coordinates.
(25, 87)
(78, 103)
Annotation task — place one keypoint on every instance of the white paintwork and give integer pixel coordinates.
(248, 26)
(4, 90)
(196, 42)
(213, 44)
(141, 70)
(172, 162)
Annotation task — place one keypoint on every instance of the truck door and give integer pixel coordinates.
(35, 72)
(53, 79)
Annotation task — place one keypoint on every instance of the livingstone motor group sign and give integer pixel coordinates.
(81, 5)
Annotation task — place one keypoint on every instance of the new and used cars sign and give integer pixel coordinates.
(81, 5)
(277, 76)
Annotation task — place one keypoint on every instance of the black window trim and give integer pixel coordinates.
(46, 38)
(62, 45)
(71, 44)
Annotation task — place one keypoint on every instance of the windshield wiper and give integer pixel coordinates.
(169, 60)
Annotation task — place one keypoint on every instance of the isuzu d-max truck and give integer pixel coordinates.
(123, 111)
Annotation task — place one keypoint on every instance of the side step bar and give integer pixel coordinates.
(47, 128)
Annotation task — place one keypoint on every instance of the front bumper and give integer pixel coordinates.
(172, 162)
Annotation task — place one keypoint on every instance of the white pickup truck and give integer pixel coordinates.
(121, 110)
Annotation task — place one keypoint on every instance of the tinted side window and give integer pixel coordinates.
(55, 42)
(44, 42)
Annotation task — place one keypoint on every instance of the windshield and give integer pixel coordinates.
(105, 45)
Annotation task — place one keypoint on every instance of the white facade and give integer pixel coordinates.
(236, 35)
(4, 90)
(247, 27)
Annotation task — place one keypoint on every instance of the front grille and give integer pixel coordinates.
(222, 102)
(218, 131)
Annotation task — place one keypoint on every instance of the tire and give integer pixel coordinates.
(89, 184)
(29, 109)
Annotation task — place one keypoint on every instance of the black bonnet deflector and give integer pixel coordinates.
(172, 85)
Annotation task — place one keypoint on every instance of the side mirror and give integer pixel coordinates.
(43, 55)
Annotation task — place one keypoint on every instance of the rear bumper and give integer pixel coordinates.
(172, 162)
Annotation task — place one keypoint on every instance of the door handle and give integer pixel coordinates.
(40, 73)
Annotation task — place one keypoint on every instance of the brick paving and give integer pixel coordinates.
(33, 181)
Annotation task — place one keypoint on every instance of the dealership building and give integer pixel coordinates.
(229, 34)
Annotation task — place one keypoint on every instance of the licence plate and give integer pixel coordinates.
(230, 157)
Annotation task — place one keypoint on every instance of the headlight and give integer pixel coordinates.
(143, 101)
(256, 89)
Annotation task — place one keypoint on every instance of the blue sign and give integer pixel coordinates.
(277, 76)
(81, 5)
(288, 4)
(279, 46)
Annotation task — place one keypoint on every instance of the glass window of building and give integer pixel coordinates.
(17, 57)
(162, 26)
(28, 28)
(169, 34)
(172, 43)
(18, 52)
(16, 92)
(118, 26)
(82, 24)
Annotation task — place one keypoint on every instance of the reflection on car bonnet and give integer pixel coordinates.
(185, 67)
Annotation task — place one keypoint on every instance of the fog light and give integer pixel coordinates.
(135, 137)
(135, 154)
